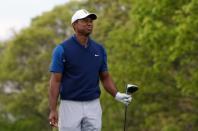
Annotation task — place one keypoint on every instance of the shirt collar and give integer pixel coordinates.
(88, 42)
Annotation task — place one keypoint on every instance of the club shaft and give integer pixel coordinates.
(125, 117)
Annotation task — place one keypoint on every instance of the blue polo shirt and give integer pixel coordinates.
(80, 67)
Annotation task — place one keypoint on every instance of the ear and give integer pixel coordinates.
(73, 25)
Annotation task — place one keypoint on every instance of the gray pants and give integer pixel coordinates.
(80, 116)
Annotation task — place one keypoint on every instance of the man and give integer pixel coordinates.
(77, 65)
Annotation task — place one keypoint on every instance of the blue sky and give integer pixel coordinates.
(17, 14)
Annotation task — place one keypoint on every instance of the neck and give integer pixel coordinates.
(83, 40)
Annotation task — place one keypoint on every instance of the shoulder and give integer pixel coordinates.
(67, 43)
(58, 49)
(63, 44)
(97, 45)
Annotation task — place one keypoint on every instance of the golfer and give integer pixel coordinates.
(77, 65)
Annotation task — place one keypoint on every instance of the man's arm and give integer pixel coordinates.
(54, 89)
(108, 83)
(111, 88)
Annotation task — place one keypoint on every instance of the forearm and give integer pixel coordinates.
(53, 94)
(109, 85)
(111, 88)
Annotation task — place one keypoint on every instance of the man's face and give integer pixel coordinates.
(84, 26)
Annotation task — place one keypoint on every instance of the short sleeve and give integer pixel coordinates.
(104, 62)
(57, 64)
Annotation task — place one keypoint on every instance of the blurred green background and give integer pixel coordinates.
(151, 43)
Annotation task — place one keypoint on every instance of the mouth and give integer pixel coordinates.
(89, 28)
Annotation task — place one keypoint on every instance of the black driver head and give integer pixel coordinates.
(131, 88)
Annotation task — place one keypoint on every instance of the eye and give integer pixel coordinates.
(87, 20)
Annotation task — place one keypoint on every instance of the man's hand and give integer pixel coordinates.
(124, 98)
(53, 118)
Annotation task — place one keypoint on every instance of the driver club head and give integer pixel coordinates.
(131, 88)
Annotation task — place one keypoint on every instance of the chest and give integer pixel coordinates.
(83, 60)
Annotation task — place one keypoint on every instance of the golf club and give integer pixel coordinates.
(130, 88)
